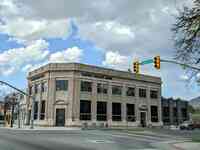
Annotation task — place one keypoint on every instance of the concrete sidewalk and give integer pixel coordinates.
(187, 146)
(42, 128)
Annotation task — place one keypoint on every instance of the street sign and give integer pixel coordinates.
(148, 61)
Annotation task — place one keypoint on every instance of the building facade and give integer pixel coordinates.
(174, 111)
(73, 94)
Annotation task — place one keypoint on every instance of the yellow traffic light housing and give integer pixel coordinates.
(157, 62)
(136, 67)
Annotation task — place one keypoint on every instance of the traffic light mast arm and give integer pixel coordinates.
(178, 63)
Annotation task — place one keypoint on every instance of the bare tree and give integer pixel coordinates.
(187, 34)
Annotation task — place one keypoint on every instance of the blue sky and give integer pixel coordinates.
(106, 33)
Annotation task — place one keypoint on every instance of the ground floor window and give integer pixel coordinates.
(42, 111)
(165, 114)
(116, 112)
(85, 110)
(154, 114)
(130, 112)
(35, 110)
(101, 111)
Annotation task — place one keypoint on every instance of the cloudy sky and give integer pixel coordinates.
(108, 33)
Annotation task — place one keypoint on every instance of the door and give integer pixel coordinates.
(143, 119)
(60, 117)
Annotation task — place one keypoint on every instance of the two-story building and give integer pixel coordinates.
(70, 94)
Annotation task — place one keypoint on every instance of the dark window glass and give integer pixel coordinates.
(42, 112)
(61, 85)
(102, 88)
(154, 114)
(43, 87)
(130, 91)
(130, 112)
(35, 110)
(36, 88)
(184, 113)
(116, 111)
(153, 94)
(116, 90)
(165, 113)
(101, 111)
(142, 93)
(86, 86)
(85, 110)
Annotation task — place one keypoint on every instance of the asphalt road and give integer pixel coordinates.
(81, 140)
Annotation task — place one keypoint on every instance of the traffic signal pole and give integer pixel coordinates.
(182, 64)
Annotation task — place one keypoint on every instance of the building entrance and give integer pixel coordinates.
(60, 117)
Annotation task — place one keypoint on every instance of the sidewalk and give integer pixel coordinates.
(36, 128)
(187, 146)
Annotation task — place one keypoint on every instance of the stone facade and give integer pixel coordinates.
(69, 100)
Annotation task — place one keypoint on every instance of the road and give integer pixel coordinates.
(82, 140)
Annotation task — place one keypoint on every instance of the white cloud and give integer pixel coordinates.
(115, 60)
(11, 60)
(29, 30)
(69, 55)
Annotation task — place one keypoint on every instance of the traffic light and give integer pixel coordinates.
(136, 67)
(157, 62)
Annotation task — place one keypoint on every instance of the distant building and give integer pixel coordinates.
(174, 111)
(72, 94)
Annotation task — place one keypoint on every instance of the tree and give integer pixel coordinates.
(187, 34)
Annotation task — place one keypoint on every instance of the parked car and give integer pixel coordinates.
(187, 125)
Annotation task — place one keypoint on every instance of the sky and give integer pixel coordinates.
(109, 33)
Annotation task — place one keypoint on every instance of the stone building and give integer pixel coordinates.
(73, 94)
(174, 111)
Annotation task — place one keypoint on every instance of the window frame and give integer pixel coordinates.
(86, 89)
(154, 115)
(140, 94)
(116, 116)
(60, 86)
(130, 117)
(99, 115)
(85, 116)
(152, 96)
(118, 88)
(127, 90)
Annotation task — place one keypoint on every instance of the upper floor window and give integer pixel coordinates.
(102, 88)
(36, 88)
(130, 91)
(116, 90)
(142, 93)
(154, 94)
(43, 87)
(61, 85)
(86, 86)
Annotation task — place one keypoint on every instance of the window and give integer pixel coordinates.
(116, 111)
(130, 112)
(165, 113)
(42, 112)
(130, 91)
(175, 115)
(116, 90)
(43, 87)
(102, 88)
(101, 111)
(35, 110)
(184, 113)
(86, 86)
(154, 114)
(85, 110)
(36, 88)
(153, 94)
(61, 85)
(142, 93)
